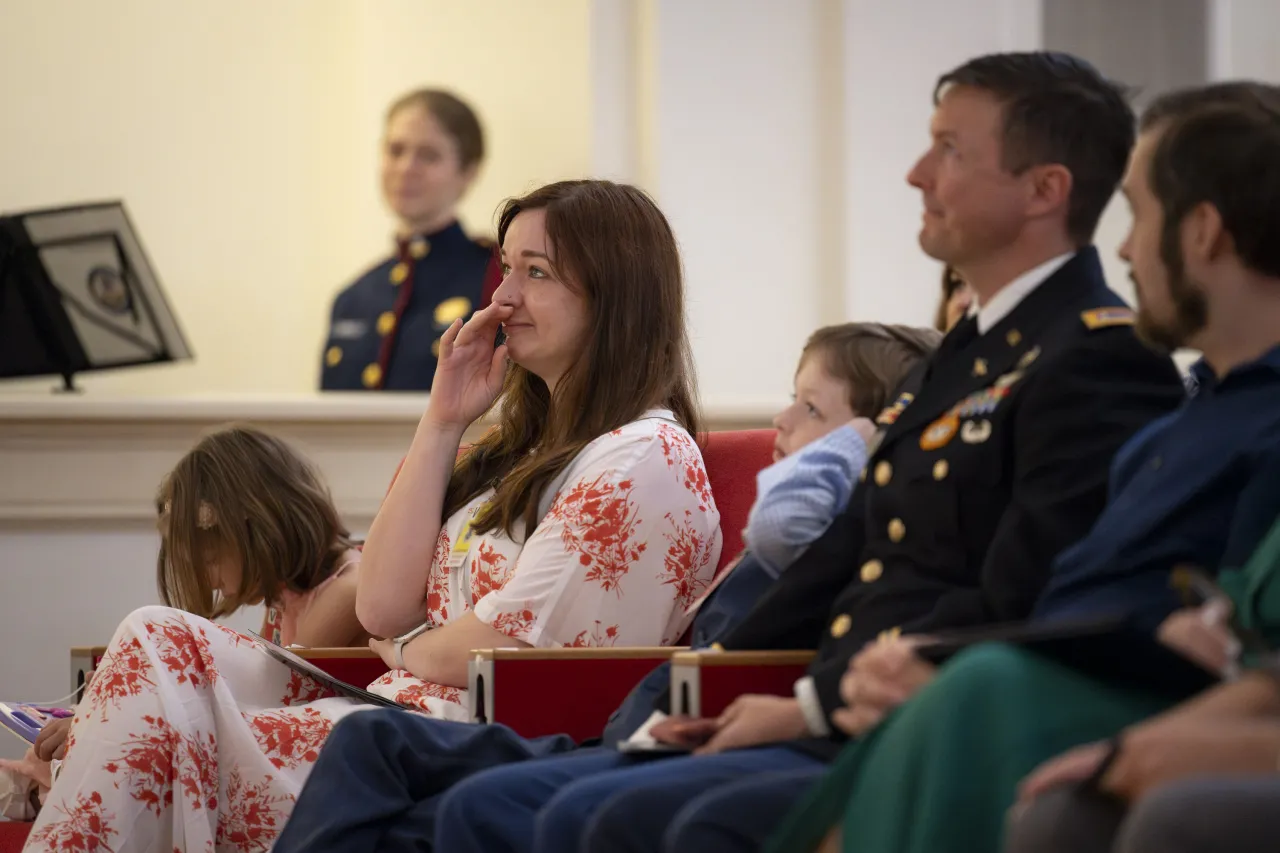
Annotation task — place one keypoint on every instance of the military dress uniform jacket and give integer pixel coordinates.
(994, 458)
(385, 329)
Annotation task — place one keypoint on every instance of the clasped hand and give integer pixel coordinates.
(470, 370)
(749, 721)
(880, 678)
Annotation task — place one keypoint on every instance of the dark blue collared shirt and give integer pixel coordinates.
(1198, 487)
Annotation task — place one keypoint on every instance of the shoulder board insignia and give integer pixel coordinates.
(1101, 318)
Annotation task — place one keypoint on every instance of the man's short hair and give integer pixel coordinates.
(1220, 145)
(1057, 109)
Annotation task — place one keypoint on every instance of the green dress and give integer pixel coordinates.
(939, 774)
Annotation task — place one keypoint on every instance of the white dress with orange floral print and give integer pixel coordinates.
(191, 738)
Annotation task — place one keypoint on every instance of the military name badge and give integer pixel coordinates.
(890, 414)
(941, 431)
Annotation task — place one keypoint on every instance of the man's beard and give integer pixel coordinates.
(1190, 315)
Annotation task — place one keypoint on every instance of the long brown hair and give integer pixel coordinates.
(613, 245)
(244, 493)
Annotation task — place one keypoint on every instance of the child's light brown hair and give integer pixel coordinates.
(871, 359)
(245, 493)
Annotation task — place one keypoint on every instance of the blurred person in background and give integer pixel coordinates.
(384, 331)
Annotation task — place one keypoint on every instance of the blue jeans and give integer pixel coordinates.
(598, 800)
(378, 779)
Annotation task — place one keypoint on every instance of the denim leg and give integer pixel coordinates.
(381, 772)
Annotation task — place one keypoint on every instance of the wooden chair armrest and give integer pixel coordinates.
(719, 657)
(704, 683)
(358, 652)
(659, 653)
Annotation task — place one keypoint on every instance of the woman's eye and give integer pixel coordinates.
(537, 272)
(506, 270)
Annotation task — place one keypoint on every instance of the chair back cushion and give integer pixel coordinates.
(733, 459)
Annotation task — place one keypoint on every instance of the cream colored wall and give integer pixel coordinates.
(243, 136)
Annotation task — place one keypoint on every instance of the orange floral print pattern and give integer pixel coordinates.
(84, 827)
(687, 560)
(419, 692)
(185, 653)
(289, 740)
(438, 582)
(125, 672)
(683, 455)
(254, 815)
(600, 521)
(516, 625)
(303, 689)
(488, 571)
(154, 759)
(593, 638)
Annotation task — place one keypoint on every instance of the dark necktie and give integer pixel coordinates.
(961, 336)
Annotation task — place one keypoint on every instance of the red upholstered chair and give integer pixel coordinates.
(12, 836)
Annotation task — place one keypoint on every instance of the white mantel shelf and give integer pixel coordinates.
(72, 459)
(300, 408)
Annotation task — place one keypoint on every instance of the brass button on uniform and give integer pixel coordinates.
(399, 273)
(1014, 337)
(332, 356)
(841, 625)
(418, 247)
(979, 367)
(884, 473)
(871, 571)
(454, 308)
(897, 530)
(941, 469)
(386, 322)
(372, 376)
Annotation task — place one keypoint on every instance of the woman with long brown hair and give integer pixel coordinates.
(584, 517)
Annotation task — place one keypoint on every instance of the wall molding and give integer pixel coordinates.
(69, 461)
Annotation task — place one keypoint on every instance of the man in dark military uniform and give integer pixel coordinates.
(385, 330)
(992, 460)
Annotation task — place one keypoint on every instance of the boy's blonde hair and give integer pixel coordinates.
(871, 359)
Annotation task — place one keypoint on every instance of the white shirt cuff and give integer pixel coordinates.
(814, 717)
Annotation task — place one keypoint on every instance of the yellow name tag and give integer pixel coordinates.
(461, 545)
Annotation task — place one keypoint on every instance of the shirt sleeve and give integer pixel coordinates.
(806, 693)
(799, 496)
(630, 540)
